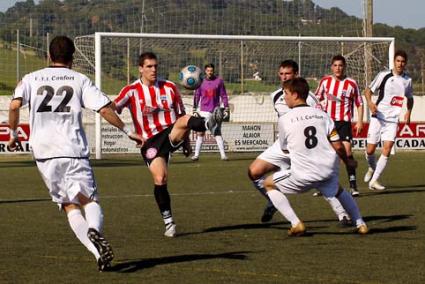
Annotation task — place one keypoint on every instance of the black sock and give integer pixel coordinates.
(197, 124)
(163, 200)
(352, 175)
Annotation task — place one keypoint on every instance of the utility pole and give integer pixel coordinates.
(368, 32)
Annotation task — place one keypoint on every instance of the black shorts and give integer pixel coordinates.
(159, 146)
(344, 130)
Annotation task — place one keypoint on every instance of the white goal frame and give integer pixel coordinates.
(98, 54)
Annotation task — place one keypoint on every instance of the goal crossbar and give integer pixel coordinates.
(98, 53)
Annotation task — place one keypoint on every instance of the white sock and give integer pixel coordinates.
(350, 205)
(198, 145)
(282, 204)
(337, 207)
(258, 184)
(371, 160)
(80, 227)
(220, 144)
(94, 216)
(380, 166)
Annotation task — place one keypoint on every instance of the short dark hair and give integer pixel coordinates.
(289, 63)
(146, 55)
(401, 53)
(338, 57)
(209, 65)
(61, 49)
(298, 85)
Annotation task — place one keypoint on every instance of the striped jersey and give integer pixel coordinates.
(392, 90)
(56, 97)
(339, 97)
(152, 108)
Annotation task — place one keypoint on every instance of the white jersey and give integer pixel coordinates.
(56, 96)
(280, 106)
(306, 131)
(392, 90)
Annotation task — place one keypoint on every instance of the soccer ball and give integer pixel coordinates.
(190, 77)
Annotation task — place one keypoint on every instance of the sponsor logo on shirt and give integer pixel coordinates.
(397, 101)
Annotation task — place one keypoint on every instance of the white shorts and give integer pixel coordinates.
(380, 130)
(66, 177)
(275, 156)
(287, 183)
(207, 115)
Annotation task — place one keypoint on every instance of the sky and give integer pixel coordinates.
(405, 13)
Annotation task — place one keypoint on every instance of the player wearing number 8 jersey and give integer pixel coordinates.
(314, 146)
(56, 96)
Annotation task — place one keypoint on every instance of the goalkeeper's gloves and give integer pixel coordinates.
(226, 113)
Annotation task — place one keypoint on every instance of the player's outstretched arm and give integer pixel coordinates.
(14, 111)
(110, 116)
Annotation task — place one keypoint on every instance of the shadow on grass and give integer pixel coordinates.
(389, 218)
(135, 265)
(24, 200)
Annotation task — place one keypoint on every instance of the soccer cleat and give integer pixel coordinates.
(103, 265)
(103, 247)
(215, 120)
(170, 230)
(317, 193)
(362, 229)
(354, 192)
(195, 158)
(345, 222)
(368, 175)
(376, 186)
(268, 214)
(297, 230)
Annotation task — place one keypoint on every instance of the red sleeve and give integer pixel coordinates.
(123, 98)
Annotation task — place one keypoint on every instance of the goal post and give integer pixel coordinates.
(247, 63)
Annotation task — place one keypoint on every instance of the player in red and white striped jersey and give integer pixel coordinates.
(339, 94)
(158, 115)
(153, 108)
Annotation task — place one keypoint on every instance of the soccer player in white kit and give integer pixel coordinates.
(392, 86)
(274, 158)
(314, 146)
(56, 96)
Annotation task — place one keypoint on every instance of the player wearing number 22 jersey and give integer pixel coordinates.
(56, 96)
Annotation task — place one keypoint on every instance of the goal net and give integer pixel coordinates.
(248, 65)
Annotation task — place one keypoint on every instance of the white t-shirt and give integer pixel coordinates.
(280, 106)
(56, 96)
(304, 130)
(392, 90)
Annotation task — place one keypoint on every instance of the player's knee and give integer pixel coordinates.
(253, 173)
(160, 179)
(269, 184)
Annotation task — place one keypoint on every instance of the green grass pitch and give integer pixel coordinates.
(220, 237)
